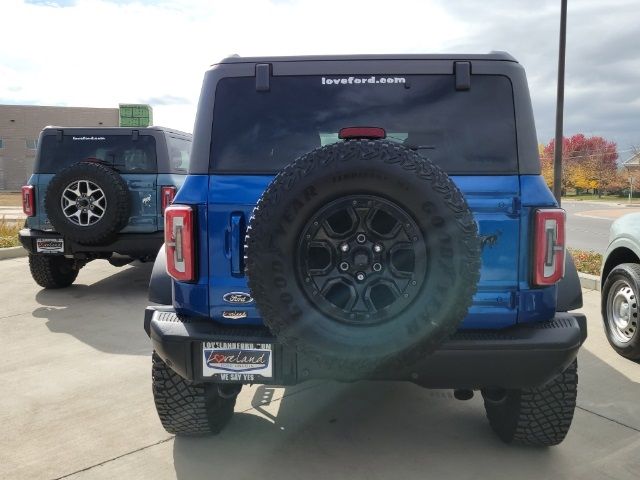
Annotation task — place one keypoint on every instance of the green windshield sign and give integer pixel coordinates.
(136, 115)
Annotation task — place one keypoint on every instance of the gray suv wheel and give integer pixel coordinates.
(620, 309)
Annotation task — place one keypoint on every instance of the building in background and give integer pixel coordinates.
(20, 126)
(632, 164)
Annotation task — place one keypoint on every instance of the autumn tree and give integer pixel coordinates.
(546, 162)
(588, 163)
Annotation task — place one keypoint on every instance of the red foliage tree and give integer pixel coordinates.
(587, 163)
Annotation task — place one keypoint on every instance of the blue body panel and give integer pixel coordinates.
(145, 191)
(540, 303)
(165, 180)
(40, 220)
(193, 298)
(144, 204)
(502, 206)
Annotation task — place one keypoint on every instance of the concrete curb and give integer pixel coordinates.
(604, 202)
(12, 252)
(590, 282)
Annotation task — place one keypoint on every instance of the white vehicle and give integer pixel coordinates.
(621, 286)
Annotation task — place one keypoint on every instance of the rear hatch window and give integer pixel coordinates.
(179, 154)
(121, 152)
(465, 132)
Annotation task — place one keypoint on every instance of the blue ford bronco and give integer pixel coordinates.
(99, 193)
(366, 218)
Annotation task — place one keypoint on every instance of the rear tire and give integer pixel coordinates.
(53, 271)
(187, 408)
(534, 416)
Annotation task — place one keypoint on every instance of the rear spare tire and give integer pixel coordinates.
(88, 202)
(361, 252)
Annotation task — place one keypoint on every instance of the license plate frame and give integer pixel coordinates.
(49, 245)
(228, 361)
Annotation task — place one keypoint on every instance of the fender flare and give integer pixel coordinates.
(160, 285)
(569, 288)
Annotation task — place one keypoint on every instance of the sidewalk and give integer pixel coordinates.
(12, 213)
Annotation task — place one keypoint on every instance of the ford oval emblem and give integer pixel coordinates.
(237, 297)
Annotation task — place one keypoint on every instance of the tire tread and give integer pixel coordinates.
(188, 408)
(537, 416)
(54, 271)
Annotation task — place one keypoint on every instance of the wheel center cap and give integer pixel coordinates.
(361, 259)
(624, 310)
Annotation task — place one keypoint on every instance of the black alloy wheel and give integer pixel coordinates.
(362, 259)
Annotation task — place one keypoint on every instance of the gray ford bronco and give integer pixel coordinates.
(99, 193)
(367, 217)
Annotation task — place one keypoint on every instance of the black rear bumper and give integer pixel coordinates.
(518, 357)
(137, 245)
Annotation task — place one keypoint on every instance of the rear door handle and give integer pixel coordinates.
(237, 243)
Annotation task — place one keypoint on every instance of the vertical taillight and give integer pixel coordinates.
(179, 242)
(29, 200)
(549, 246)
(168, 193)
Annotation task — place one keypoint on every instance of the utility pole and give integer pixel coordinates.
(557, 157)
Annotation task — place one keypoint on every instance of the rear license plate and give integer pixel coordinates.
(237, 362)
(49, 245)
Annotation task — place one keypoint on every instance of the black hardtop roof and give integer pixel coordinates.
(491, 56)
(108, 129)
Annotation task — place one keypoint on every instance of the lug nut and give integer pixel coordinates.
(344, 266)
(361, 238)
(344, 247)
(360, 276)
(377, 248)
(377, 267)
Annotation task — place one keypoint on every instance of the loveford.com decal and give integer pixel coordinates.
(373, 79)
(87, 139)
(237, 361)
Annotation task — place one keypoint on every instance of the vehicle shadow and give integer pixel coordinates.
(361, 430)
(399, 430)
(107, 314)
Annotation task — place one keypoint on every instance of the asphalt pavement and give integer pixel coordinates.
(588, 223)
(76, 403)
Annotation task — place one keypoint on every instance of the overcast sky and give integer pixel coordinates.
(103, 52)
